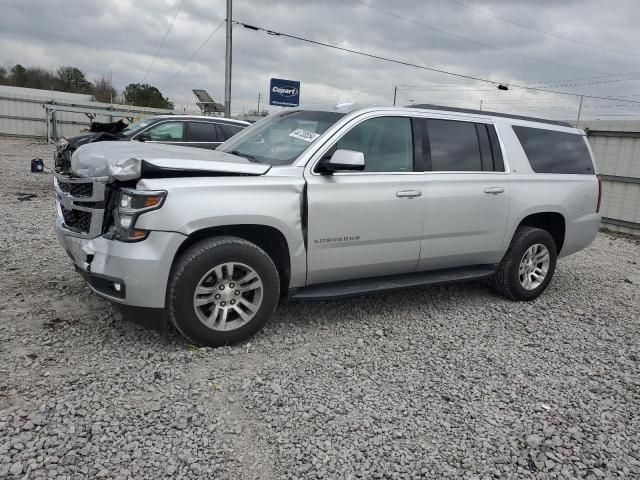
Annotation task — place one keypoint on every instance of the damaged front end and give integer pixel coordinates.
(88, 189)
(66, 146)
(98, 132)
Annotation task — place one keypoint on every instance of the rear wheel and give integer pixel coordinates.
(528, 266)
(222, 291)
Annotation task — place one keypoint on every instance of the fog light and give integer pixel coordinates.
(117, 287)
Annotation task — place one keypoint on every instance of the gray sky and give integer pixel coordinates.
(122, 36)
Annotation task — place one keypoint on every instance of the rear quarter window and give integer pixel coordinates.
(550, 151)
(228, 131)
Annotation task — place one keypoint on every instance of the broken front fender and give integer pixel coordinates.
(200, 203)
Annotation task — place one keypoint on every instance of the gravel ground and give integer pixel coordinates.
(445, 382)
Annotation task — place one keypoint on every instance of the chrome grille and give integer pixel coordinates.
(76, 189)
(77, 220)
(80, 205)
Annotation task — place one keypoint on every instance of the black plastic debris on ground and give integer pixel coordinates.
(25, 197)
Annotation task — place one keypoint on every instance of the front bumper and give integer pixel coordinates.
(142, 268)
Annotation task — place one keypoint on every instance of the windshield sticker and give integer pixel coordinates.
(305, 135)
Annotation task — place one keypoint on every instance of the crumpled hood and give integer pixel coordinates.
(89, 137)
(126, 160)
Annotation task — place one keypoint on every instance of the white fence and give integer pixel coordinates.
(616, 146)
(23, 114)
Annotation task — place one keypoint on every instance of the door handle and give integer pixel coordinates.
(494, 190)
(408, 193)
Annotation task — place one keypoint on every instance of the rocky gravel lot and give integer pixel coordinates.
(447, 382)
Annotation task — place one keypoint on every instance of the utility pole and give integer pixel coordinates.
(395, 92)
(258, 111)
(579, 111)
(227, 64)
(480, 105)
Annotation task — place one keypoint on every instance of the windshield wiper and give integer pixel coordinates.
(251, 158)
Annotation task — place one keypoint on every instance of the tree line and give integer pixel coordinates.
(73, 80)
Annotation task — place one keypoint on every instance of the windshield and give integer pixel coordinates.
(280, 139)
(133, 127)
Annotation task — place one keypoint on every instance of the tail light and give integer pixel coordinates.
(599, 193)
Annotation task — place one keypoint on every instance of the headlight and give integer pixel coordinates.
(138, 200)
(130, 204)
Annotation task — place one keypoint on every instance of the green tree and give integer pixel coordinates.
(72, 79)
(4, 78)
(145, 95)
(18, 75)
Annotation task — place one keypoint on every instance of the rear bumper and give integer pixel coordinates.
(141, 268)
(580, 232)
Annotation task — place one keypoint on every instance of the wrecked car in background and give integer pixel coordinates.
(186, 130)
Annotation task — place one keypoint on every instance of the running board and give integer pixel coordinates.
(361, 286)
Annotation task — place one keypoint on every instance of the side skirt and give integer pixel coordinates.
(363, 286)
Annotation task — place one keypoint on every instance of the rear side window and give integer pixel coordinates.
(202, 132)
(550, 151)
(454, 146)
(227, 131)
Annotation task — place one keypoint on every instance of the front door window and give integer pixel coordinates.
(386, 143)
(167, 132)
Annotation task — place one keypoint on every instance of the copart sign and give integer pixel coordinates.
(285, 93)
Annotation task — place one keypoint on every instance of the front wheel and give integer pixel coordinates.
(528, 266)
(222, 290)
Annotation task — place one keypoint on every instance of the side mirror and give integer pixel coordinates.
(144, 137)
(343, 160)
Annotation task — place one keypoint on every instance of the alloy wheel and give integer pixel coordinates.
(534, 266)
(228, 296)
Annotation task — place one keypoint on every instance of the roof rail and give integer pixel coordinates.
(492, 114)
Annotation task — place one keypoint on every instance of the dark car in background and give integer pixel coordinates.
(185, 130)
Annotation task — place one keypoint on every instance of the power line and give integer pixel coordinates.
(357, 52)
(424, 89)
(563, 80)
(194, 54)
(580, 79)
(507, 51)
(163, 40)
(444, 32)
(422, 67)
(544, 32)
(594, 83)
(577, 84)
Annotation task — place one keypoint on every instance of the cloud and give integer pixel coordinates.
(121, 37)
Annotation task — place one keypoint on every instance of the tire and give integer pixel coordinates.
(218, 267)
(509, 277)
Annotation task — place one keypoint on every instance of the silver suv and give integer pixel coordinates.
(314, 205)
